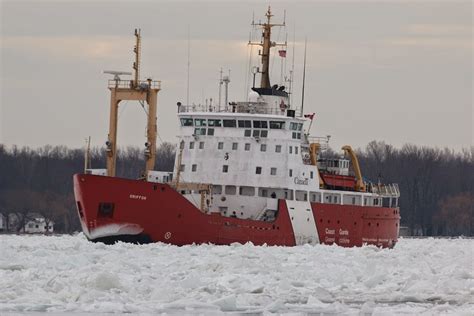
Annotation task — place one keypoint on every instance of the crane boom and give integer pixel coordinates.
(360, 185)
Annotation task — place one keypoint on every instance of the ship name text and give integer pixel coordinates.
(137, 197)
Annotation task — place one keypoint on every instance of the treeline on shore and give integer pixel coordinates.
(436, 185)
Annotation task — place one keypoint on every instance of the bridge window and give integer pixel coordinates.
(194, 168)
(230, 189)
(296, 150)
(201, 145)
(210, 132)
(225, 168)
(230, 123)
(301, 195)
(199, 131)
(263, 147)
(200, 122)
(263, 134)
(247, 133)
(186, 122)
(293, 126)
(291, 149)
(235, 146)
(247, 191)
(278, 148)
(288, 194)
(220, 145)
(258, 170)
(245, 124)
(315, 196)
(191, 145)
(247, 146)
(215, 123)
(277, 125)
(300, 126)
(311, 174)
(273, 171)
(262, 192)
(182, 167)
(216, 189)
(260, 124)
(290, 172)
(296, 135)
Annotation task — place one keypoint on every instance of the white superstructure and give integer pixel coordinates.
(255, 152)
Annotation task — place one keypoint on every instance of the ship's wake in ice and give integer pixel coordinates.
(69, 274)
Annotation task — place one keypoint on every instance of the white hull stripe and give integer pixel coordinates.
(302, 220)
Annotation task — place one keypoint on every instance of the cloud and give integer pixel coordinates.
(71, 47)
(436, 36)
(431, 42)
(439, 30)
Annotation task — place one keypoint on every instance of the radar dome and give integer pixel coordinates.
(253, 96)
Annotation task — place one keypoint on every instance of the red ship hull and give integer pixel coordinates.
(112, 209)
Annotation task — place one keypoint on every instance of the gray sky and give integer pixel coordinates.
(397, 71)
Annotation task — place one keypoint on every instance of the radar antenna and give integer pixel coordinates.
(266, 44)
(117, 74)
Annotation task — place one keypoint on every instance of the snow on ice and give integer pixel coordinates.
(69, 274)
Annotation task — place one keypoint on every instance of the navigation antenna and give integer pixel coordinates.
(304, 77)
(137, 50)
(266, 44)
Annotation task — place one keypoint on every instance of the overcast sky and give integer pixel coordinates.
(397, 71)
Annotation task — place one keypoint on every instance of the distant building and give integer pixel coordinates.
(38, 225)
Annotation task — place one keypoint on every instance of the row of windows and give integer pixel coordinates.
(225, 169)
(235, 146)
(202, 131)
(240, 123)
(300, 195)
(258, 170)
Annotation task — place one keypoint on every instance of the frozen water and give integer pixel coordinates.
(69, 274)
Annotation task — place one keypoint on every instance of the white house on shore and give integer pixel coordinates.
(38, 225)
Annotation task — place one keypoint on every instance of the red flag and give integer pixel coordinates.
(310, 116)
(282, 53)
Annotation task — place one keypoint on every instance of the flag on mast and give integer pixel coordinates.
(282, 53)
(310, 116)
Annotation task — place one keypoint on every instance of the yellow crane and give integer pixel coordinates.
(313, 155)
(360, 185)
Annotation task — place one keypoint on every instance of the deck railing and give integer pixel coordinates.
(237, 108)
(128, 84)
(391, 190)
